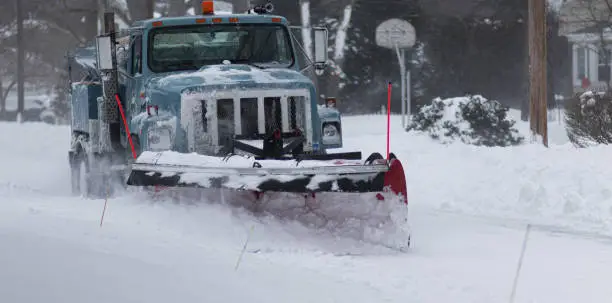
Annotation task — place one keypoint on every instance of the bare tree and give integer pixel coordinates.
(51, 28)
(36, 69)
(340, 30)
(592, 19)
(177, 8)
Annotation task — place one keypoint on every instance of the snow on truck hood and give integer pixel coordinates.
(235, 75)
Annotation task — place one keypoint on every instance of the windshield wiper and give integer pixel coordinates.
(177, 66)
(247, 62)
(257, 65)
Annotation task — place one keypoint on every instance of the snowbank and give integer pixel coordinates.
(560, 186)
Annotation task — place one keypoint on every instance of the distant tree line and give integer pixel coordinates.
(463, 46)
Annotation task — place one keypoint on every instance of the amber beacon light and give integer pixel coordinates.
(208, 8)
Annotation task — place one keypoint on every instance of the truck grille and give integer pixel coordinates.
(251, 118)
(212, 120)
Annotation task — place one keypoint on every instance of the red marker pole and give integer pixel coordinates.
(388, 117)
(127, 128)
(127, 131)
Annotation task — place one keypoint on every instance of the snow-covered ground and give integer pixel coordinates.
(469, 207)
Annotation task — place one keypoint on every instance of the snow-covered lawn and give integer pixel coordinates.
(469, 208)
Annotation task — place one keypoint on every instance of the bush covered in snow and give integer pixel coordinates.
(472, 119)
(588, 119)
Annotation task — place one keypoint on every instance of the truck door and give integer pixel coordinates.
(133, 101)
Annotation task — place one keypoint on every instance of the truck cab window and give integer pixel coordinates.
(123, 54)
(193, 46)
(137, 55)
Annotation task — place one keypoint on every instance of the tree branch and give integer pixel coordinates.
(55, 23)
(122, 15)
(609, 5)
(76, 10)
(7, 91)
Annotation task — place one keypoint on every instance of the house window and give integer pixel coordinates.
(603, 65)
(582, 63)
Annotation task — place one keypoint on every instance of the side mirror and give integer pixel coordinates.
(105, 52)
(320, 47)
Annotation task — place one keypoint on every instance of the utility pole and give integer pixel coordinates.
(102, 8)
(537, 69)
(150, 9)
(20, 61)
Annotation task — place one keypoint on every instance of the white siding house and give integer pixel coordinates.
(591, 42)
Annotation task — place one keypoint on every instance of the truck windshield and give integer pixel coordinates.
(191, 47)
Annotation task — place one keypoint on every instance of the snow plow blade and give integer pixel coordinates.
(172, 169)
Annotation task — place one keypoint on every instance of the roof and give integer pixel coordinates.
(225, 18)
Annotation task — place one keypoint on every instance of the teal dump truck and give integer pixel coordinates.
(212, 101)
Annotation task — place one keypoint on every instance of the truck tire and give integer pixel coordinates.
(85, 182)
(80, 174)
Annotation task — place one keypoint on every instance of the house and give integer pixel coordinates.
(587, 24)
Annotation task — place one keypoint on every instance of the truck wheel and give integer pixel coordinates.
(92, 175)
(80, 174)
(87, 180)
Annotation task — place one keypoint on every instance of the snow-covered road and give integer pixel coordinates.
(468, 209)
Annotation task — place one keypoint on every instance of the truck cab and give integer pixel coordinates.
(193, 83)
(210, 84)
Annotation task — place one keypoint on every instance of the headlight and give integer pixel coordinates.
(329, 130)
(159, 139)
(331, 135)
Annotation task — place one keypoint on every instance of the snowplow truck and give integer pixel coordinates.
(213, 101)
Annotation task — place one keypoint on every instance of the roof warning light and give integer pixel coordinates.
(208, 8)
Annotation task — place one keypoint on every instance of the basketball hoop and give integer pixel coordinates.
(399, 35)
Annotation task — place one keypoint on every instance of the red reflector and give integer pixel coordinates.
(155, 107)
(158, 23)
